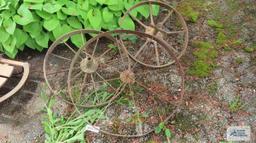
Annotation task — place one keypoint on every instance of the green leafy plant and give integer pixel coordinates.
(67, 129)
(235, 104)
(214, 23)
(162, 128)
(34, 23)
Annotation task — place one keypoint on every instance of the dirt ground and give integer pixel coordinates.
(225, 97)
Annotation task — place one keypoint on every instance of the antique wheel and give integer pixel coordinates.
(164, 22)
(107, 74)
(59, 56)
(95, 69)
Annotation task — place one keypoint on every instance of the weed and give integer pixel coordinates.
(205, 59)
(250, 49)
(212, 88)
(221, 38)
(235, 105)
(239, 61)
(61, 129)
(162, 128)
(214, 24)
(191, 9)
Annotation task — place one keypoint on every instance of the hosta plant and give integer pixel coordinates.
(34, 23)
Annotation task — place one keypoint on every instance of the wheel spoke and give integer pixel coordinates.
(151, 14)
(81, 86)
(94, 84)
(94, 49)
(105, 80)
(138, 21)
(62, 70)
(147, 88)
(125, 50)
(165, 19)
(113, 79)
(105, 52)
(82, 35)
(76, 76)
(114, 68)
(61, 57)
(70, 48)
(169, 32)
(157, 53)
(141, 48)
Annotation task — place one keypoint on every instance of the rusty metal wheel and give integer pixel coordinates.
(164, 22)
(102, 71)
(59, 56)
(96, 69)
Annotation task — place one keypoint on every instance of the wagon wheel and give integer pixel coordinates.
(164, 22)
(123, 77)
(95, 70)
(58, 58)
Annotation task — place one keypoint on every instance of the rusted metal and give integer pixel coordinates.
(126, 76)
(22, 81)
(158, 30)
(55, 46)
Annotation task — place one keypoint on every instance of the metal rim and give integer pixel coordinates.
(53, 47)
(92, 57)
(158, 28)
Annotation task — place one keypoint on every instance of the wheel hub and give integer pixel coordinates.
(150, 30)
(89, 65)
(127, 76)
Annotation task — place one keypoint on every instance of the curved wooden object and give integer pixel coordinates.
(25, 67)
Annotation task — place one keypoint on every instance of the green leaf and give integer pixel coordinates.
(43, 14)
(8, 13)
(93, 2)
(74, 22)
(51, 7)
(9, 47)
(143, 10)
(71, 9)
(21, 37)
(25, 16)
(101, 1)
(84, 5)
(31, 43)
(168, 133)
(158, 130)
(9, 26)
(43, 39)
(161, 125)
(126, 23)
(33, 29)
(60, 30)
(78, 40)
(95, 18)
(51, 24)
(155, 9)
(61, 15)
(34, 1)
(118, 6)
(128, 5)
(112, 2)
(107, 15)
(4, 35)
(38, 6)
